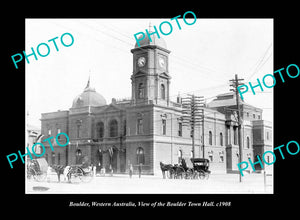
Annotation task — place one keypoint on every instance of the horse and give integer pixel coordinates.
(166, 167)
(60, 169)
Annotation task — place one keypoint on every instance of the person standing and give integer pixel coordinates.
(140, 170)
(111, 170)
(94, 170)
(130, 170)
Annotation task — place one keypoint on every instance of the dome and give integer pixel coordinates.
(89, 97)
(155, 41)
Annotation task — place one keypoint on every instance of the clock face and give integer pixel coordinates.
(161, 62)
(141, 61)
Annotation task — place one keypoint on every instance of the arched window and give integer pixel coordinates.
(141, 91)
(140, 156)
(113, 128)
(100, 129)
(78, 156)
(163, 91)
(164, 126)
(139, 126)
(210, 138)
(221, 139)
(180, 129)
(248, 143)
(78, 124)
(78, 130)
(52, 158)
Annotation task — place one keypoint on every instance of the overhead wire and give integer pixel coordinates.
(261, 62)
(180, 59)
(185, 62)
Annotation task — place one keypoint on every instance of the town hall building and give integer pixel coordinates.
(148, 128)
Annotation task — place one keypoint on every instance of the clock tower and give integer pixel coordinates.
(150, 78)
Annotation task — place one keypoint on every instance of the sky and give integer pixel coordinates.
(204, 57)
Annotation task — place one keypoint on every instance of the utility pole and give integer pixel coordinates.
(235, 83)
(193, 115)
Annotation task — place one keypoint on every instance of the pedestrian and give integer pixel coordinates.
(140, 170)
(94, 170)
(111, 170)
(130, 170)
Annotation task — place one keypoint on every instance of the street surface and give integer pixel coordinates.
(122, 184)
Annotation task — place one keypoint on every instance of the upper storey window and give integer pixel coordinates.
(113, 128)
(141, 91)
(163, 91)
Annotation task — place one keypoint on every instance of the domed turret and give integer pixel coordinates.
(155, 40)
(89, 97)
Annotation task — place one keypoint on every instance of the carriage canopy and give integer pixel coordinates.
(199, 160)
(200, 163)
(42, 164)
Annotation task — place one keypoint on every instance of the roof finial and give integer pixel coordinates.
(88, 83)
(150, 31)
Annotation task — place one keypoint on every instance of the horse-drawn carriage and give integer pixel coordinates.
(199, 169)
(77, 173)
(37, 169)
(201, 165)
(81, 172)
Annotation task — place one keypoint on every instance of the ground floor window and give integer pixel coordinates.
(52, 158)
(210, 138)
(221, 158)
(140, 156)
(78, 154)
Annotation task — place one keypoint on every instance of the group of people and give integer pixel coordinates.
(83, 162)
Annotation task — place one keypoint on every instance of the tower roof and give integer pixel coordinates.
(154, 38)
(89, 97)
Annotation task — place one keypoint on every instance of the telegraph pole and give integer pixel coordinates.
(193, 114)
(235, 83)
(187, 117)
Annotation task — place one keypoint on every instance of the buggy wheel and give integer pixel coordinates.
(40, 177)
(76, 175)
(195, 175)
(87, 177)
(207, 175)
(189, 174)
(31, 174)
(201, 174)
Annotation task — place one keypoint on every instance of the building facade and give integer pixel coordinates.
(148, 128)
